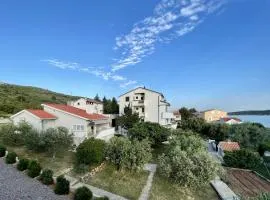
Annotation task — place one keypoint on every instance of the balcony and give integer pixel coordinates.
(138, 103)
(167, 115)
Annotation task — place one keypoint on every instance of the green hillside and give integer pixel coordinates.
(14, 98)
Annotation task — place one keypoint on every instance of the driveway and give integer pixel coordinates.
(15, 185)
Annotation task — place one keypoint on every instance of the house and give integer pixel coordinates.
(79, 122)
(229, 120)
(227, 146)
(150, 105)
(90, 105)
(177, 116)
(212, 115)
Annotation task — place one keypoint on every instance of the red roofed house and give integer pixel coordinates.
(230, 120)
(227, 146)
(79, 122)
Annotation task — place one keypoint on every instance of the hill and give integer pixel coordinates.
(251, 112)
(14, 98)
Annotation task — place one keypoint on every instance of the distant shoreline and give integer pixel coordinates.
(251, 112)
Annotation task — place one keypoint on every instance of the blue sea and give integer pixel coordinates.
(263, 119)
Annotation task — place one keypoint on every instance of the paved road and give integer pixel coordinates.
(15, 185)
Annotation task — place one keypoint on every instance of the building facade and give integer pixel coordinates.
(212, 115)
(90, 105)
(150, 105)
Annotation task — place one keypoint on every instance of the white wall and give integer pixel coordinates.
(90, 108)
(29, 118)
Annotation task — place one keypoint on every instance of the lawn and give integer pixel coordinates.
(60, 162)
(124, 183)
(162, 189)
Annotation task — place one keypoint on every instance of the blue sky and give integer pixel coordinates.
(199, 53)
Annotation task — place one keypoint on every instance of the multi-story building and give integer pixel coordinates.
(90, 105)
(212, 115)
(150, 105)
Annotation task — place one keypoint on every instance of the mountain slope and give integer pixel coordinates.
(14, 98)
(251, 112)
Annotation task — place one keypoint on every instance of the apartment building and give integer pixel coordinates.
(150, 105)
(212, 115)
(90, 105)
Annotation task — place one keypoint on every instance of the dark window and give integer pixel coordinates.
(137, 97)
(142, 98)
(127, 98)
(137, 108)
(143, 110)
(78, 103)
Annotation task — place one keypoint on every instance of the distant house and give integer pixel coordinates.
(212, 115)
(90, 105)
(177, 116)
(78, 121)
(229, 120)
(227, 146)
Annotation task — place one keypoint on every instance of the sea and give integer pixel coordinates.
(263, 119)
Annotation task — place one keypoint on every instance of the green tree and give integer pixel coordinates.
(127, 154)
(187, 162)
(114, 106)
(187, 113)
(97, 97)
(194, 124)
(128, 119)
(154, 132)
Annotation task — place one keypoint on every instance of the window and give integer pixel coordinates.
(137, 108)
(137, 97)
(78, 127)
(143, 110)
(142, 98)
(78, 103)
(127, 99)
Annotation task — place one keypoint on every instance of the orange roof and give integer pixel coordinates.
(229, 146)
(230, 118)
(77, 111)
(41, 114)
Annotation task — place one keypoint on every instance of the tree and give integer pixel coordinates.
(11, 135)
(243, 158)
(265, 146)
(127, 154)
(128, 120)
(154, 132)
(186, 113)
(97, 97)
(187, 162)
(91, 151)
(194, 124)
(114, 106)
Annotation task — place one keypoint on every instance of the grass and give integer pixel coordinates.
(123, 183)
(157, 151)
(162, 189)
(60, 162)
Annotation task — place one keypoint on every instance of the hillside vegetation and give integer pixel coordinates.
(14, 98)
(251, 112)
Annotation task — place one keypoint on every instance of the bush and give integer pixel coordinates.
(102, 198)
(83, 193)
(243, 158)
(46, 177)
(11, 135)
(90, 151)
(62, 186)
(2, 151)
(34, 169)
(33, 141)
(11, 158)
(23, 164)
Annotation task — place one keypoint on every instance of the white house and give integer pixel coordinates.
(224, 146)
(150, 105)
(90, 105)
(229, 120)
(79, 122)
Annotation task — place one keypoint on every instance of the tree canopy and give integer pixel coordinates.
(128, 119)
(187, 113)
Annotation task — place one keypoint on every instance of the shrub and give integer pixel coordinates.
(62, 186)
(2, 151)
(243, 158)
(11, 135)
(34, 169)
(11, 158)
(102, 198)
(90, 151)
(46, 177)
(23, 164)
(83, 193)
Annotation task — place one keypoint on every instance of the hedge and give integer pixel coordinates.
(83, 193)
(34, 169)
(62, 186)
(46, 177)
(11, 158)
(23, 164)
(2, 151)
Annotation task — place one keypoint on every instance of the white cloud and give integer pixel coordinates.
(170, 19)
(128, 83)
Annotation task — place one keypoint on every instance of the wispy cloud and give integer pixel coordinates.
(171, 19)
(128, 83)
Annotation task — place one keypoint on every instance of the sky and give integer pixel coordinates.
(198, 53)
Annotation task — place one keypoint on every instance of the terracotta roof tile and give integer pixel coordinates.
(41, 114)
(77, 111)
(229, 146)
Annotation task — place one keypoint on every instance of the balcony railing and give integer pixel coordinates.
(138, 103)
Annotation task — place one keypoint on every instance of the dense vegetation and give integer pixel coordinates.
(14, 98)
(251, 112)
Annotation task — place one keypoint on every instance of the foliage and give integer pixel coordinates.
(34, 169)
(110, 106)
(33, 141)
(128, 154)
(265, 146)
(102, 198)
(90, 151)
(23, 127)
(187, 162)
(62, 186)
(46, 177)
(249, 135)
(128, 119)
(11, 158)
(2, 151)
(194, 124)
(83, 193)
(14, 98)
(11, 136)
(154, 132)
(97, 98)
(187, 113)
(23, 164)
(243, 158)
(262, 196)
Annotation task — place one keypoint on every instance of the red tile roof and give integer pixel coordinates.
(41, 114)
(229, 146)
(76, 111)
(230, 118)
